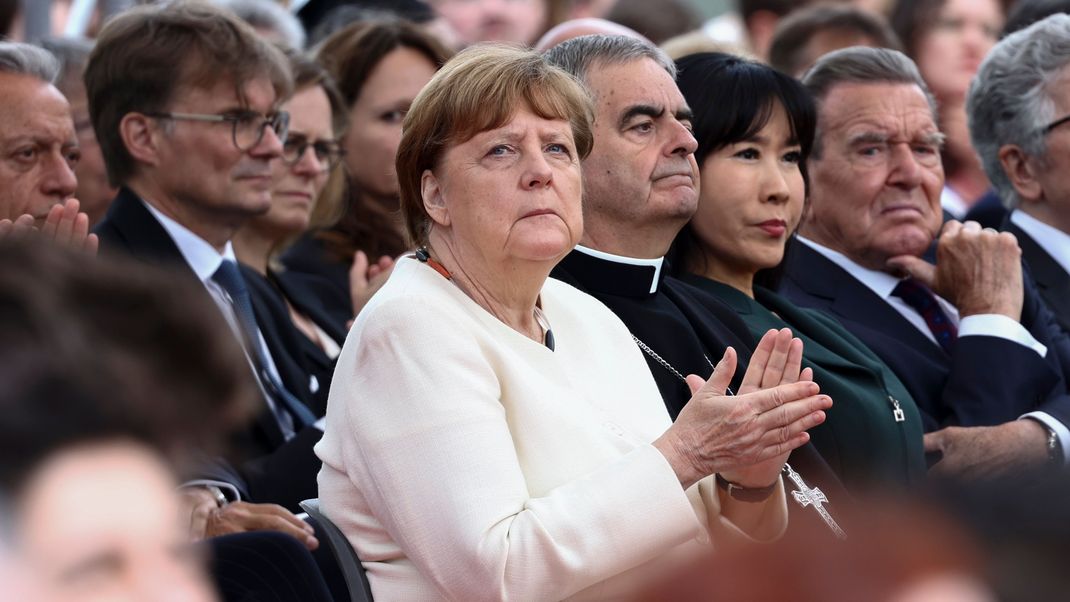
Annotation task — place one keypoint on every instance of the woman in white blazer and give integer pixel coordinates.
(492, 434)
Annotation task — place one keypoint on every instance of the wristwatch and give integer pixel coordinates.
(217, 493)
(1055, 449)
(746, 494)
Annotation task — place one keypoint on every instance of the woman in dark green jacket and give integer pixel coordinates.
(755, 127)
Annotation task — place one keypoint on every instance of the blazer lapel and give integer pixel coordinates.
(851, 300)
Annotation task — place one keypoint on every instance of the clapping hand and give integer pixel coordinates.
(366, 278)
(746, 437)
(64, 224)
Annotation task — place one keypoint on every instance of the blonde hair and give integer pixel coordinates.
(478, 90)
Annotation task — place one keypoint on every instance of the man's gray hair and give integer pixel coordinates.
(1010, 99)
(267, 14)
(577, 55)
(27, 59)
(862, 65)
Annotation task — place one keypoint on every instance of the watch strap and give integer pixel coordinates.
(746, 494)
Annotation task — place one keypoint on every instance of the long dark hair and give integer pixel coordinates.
(733, 99)
(350, 55)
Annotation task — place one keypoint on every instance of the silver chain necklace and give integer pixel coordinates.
(803, 495)
(657, 358)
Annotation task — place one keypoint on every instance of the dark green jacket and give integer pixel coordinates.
(860, 439)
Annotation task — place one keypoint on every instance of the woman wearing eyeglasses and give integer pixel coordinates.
(306, 191)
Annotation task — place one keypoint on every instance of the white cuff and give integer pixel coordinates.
(321, 424)
(998, 325)
(1061, 432)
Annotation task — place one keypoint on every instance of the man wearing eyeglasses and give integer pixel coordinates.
(1019, 109)
(184, 101)
(969, 337)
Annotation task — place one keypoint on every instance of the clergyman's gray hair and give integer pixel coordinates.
(1010, 99)
(861, 65)
(27, 59)
(267, 14)
(576, 56)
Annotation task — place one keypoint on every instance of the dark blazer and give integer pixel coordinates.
(1052, 280)
(286, 341)
(987, 381)
(272, 469)
(323, 275)
(861, 438)
(988, 211)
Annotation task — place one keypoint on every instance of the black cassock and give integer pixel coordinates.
(689, 329)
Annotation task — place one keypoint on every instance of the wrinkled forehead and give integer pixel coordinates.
(31, 107)
(897, 110)
(618, 86)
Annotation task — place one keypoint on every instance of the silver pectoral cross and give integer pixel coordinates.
(807, 496)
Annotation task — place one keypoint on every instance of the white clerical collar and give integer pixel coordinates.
(654, 263)
(1053, 240)
(881, 283)
(201, 256)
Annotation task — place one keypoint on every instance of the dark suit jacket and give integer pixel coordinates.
(273, 470)
(1052, 280)
(323, 275)
(987, 381)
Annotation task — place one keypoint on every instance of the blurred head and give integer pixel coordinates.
(270, 19)
(379, 66)
(81, 539)
(755, 128)
(1019, 95)
(809, 33)
(640, 180)
(516, 21)
(496, 123)
(948, 39)
(157, 76)
(311, 151)
(114, 375)
(94, 192)
(875, 171)
(1024, 13)
(657, 20)
(583, 27)
(37, 139)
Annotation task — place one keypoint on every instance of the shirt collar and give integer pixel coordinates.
(881, 283)
(1053, 240)
(201, 256)
(649, 276)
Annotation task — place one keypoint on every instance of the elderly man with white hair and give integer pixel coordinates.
(1019, 117)
(38, 149)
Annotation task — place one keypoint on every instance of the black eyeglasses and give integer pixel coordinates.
(328, 152)
(247, 127)
(1051, 126)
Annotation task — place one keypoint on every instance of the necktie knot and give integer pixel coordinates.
(229, 277)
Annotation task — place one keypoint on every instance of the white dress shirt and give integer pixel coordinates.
(994, 325)
(1053, 240)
